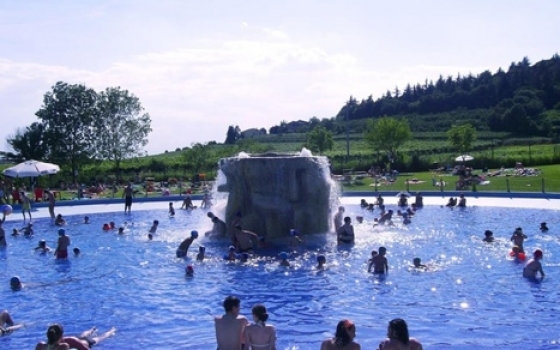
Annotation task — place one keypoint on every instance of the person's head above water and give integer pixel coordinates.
(538, 254)
(194, 233)
(347, 220)
(61, 232)
(417, 262)
(76, 251)
(15, 283)
(488, 233)
(321, 259)
(156, 222)
(210, 215)
(54, 333)
(283, 256)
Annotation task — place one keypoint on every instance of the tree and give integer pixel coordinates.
(68, 114)
(233, 134)
(197, 157)
(461, 137)
(28, 143)
(387, 134)
(121, 127)
(319, 140)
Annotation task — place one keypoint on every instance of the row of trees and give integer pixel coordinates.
(78, 125)
(525, 100)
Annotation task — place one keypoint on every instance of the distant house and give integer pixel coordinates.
(249, 133)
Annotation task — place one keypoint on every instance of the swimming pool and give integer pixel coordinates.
(473, 298)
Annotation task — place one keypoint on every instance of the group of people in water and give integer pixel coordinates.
(235, 332)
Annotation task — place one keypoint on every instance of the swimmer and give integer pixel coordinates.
(518, 237)
(28, 230)
(187, 203)
(418, 263)
(369, 207)
(284, 259)
(86, 220)
(106, 227)
(419, 203)
(15, 232)
(543, 227)
(3, 242)
(403, 200)
(488, 236)
(295, 239)
(59, 221)
(206, 200)
(406, 219)
(451, 203)
(42, 247)
(7, 324)
(184, 246)
(15, 283)
(321, 261)
(379, 262)
(345, 233)
(57, 341)
(534, 265)
(343, 338)
(171, 209)
(189, 271)
(411, 212)
(121, 230)
(201, 252)
(76, 252)
(61, 251)
(154, 227)
(359, 219)
(219, 228)
(112, 225)
(399, 212)
(338, 218)
(244, 239)
(379, 201)
(363, 203)
(371, 261)
(231, 256)
(386, 218)
(462, 201)
(244, 257)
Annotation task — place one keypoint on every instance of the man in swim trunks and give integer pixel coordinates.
(534, 266)
(61, 251)
(379, 262)
(128, 193)
(184, 246)
(244, 239)
(229, 327)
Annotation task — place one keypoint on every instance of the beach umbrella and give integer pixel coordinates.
(31, 168)
(464, 158)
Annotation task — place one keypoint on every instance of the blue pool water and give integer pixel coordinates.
(472, 298)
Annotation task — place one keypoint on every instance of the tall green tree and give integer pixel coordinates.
(461, 137)
(197, 157)
(28, 143)
(319, 140)
(122, 128)
(68, 114)
(387, 134)
(233, 134)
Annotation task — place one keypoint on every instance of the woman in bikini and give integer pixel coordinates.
(84, 342)
(343, 339)
(260, 336)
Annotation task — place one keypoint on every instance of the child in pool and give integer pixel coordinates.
(488, 236)
(418, 263)
(189, 271)
(200, 255)
(534, 265)
(543, 227)
(121, 230)
(284, 259)
(231, 256)
(379, 262)
(154, 227)
(76, 252)
(321, 261)
(370, 261)
(171, 209)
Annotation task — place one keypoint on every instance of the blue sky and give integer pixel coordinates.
(200, 66)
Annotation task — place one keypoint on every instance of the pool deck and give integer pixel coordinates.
(115, 205)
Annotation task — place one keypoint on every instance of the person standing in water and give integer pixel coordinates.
(61, 251)
(128, 193)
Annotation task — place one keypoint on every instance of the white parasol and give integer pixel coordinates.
(464, 158)
(31, 168)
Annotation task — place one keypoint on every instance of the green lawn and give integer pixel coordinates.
(549, 173)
